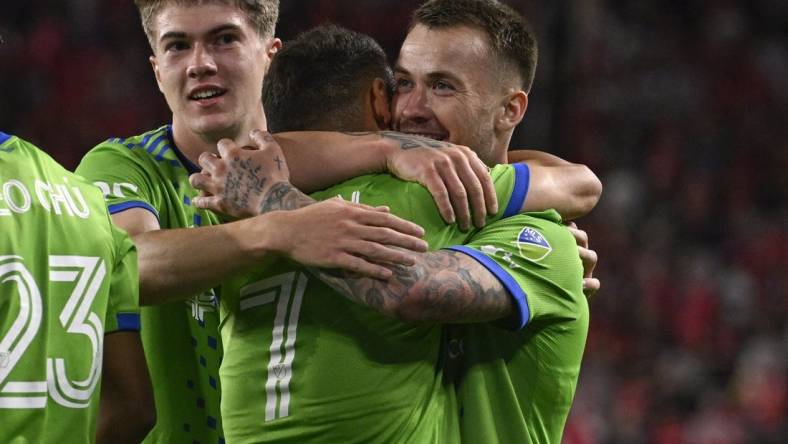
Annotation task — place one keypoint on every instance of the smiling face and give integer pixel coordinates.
(446, 89)
(209, 63)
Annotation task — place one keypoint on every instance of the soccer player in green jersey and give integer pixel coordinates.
(69, 319)
(209, 59)
(463, 74)
(332, 393)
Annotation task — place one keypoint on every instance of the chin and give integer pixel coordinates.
(215, 128)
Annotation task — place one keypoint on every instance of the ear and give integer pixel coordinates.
(274, 45)
(379, 103)
(155, 65)
(513, 110)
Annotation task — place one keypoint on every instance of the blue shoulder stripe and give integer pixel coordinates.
(118, 208)
(4, 137)
(522, 179)
(520, 298)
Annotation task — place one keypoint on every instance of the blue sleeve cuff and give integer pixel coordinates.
(128, 322)
(4, 137)
(118, 208)
(522, 179)
(511, 285)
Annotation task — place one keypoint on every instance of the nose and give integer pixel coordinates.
(415, 104)
(201, 63)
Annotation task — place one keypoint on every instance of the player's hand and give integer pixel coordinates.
(354, 237)
(589, 258)
(454, 175)
(237, 181)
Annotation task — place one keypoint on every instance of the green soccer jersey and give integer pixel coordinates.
(67, 277)
(304, 364)
(180, 339)
(518, 386)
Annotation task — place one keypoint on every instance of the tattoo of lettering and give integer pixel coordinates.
(243, 179)
(283, 196)
(406, 141)
(279, 163)
(439, 288)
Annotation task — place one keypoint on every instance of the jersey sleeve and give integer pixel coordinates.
(123, 313)
(122, 177)
(535, 258)
(511, 186)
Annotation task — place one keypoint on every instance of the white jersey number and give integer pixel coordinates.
(280, 290)
(76, 318)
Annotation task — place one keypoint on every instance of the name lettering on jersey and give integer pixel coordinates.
(491, 250)
(532, 245)
(116, 189)
(57, 198)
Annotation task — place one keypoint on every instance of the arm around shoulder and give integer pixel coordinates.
(571, 189)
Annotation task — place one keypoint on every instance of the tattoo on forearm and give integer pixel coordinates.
(406, 141)
(439, 288)
(283, 196)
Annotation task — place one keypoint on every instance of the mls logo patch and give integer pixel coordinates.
(532, 245)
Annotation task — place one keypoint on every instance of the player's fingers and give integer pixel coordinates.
(382, 219)
(591, 286)
(589, 259)
(209, 163)
(361, 266)
(440, 194)
(212, 203)
(457, 195)
(473, 189)
(390, 237)
(261, 138)
(379, 208)
(381, 254)
(581, 237)
(488, 187)
(225, 147)
(202, 182)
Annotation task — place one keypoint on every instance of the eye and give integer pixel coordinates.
(443, 86)
(226, 39)
(403, 84)
(175, 45)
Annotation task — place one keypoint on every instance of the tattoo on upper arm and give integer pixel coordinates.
(406, 141)
(443, 286)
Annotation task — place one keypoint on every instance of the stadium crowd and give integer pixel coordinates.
(679, 107)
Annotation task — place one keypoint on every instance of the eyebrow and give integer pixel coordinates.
(435, 75)
(213, 31)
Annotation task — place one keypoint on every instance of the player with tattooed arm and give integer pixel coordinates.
(209, 59)
(332, 370)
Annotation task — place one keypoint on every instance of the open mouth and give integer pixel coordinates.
(440, 137)
(206, 94)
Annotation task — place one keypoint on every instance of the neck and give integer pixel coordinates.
(192, 143)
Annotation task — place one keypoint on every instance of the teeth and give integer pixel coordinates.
(205, 94)
(426, 136)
